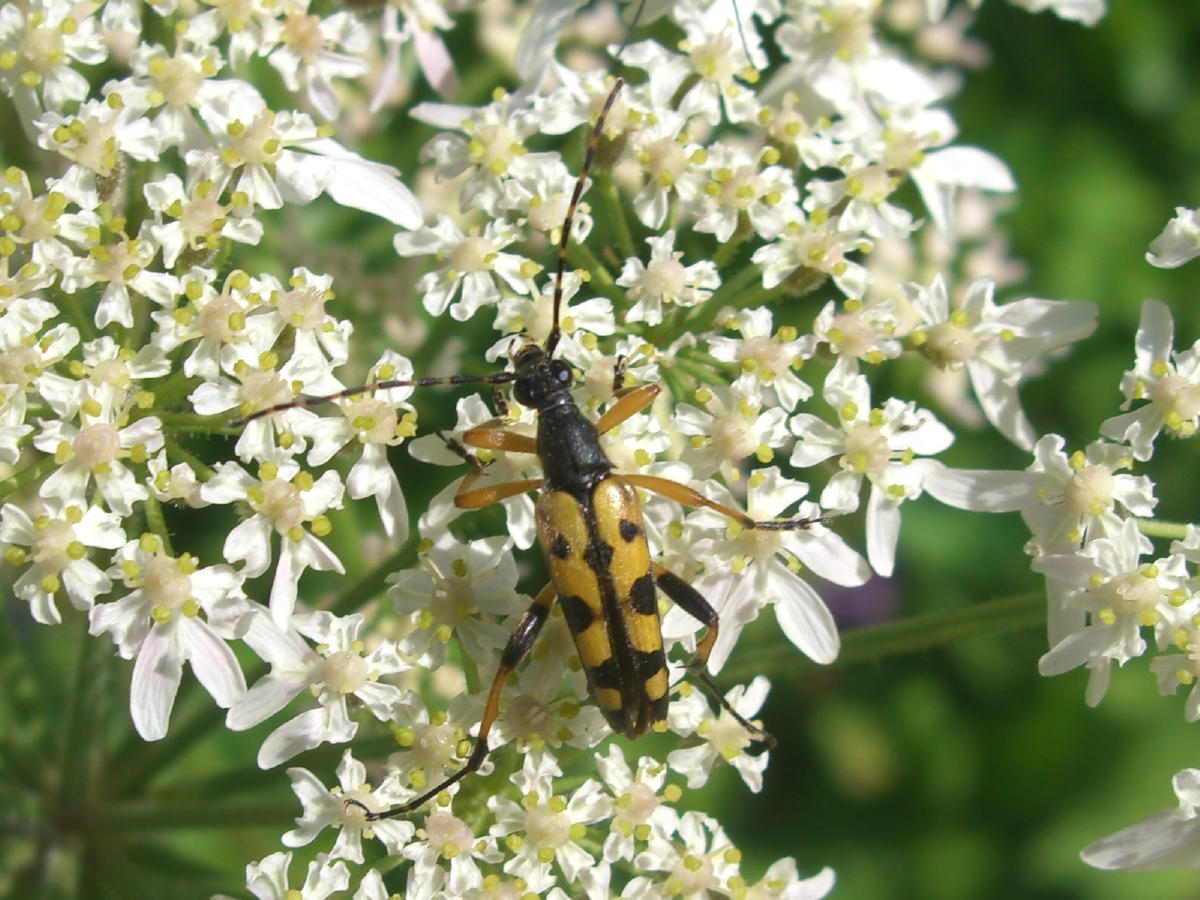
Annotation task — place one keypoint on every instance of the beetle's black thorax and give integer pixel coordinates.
(568, 444)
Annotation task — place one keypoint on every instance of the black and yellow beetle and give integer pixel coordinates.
(589, 523)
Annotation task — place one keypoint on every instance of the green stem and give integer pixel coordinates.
(172, 391)
(74, 735)
(878, 642)
(726, 251)
(1156, 528)
(28, 475)
(191, 423)
(149, 816)
(137, 762)
(69, 303)
(616, 216)
(156, 523)
(177, 453)
(374, 581)
(702, 373)
(602, 280)
(675, 384)
(723, 296)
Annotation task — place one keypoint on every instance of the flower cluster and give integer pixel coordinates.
(746, 244)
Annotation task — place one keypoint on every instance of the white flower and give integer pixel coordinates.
(998, 345)
(1083, 496)
(41, 223)
(268, 878)
(738, 188)
(448, 840)
(158, 622)
(541, 196)
(750, 568)
(862, 196)
(195, 219)
(722, 736)
(305, 54)
(373, 420)
(713, 64)
(278, 157)
(323, 807)
(471, 263)
(282, 499)
(782, 880)
(1169, 379)
(640, 804)
(228, 337)
(458, 592)
(94, 451)
(695, 862)
(874, 443)
(419, 20)
(530, 318)
(1179, 241)
(808, 249)
(671, 164)
(665, 281)
(180, 82)
(12, 423)
(45, 39)
(731, 426)
(96, 138)
(337, 670)
(126, 269)
(1088, 12)
(58, 540)
(1120, 594)
(769, 357)
(260, 387)
(491, 147)
(858, 333)
(550, 827)
(1168, 839)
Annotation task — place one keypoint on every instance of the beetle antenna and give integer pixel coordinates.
(308, 402)
(564, 240)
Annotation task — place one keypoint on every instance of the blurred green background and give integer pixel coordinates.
(953, 772)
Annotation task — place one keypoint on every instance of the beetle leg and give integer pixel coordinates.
(693, 603)
(628, 404)
(518, 645)
(465, 497)
(486, 496)
(491, 438)
(681, 493)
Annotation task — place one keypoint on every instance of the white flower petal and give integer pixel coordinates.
(1164, 840)
(883, 531)
(156, 677)
(214, 664)
(803, 616)
(982, 490)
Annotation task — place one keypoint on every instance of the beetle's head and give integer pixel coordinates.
(540, 381)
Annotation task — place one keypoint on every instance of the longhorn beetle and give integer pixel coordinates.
(589, 523)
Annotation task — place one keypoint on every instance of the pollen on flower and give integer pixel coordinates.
(97, 446)
(344, 672)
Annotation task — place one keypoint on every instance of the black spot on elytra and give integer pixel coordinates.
(649, 664)
(598, 555)
(628, 530)
(606, 675)
(643, 598)
(577, 613)
(560, 546)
